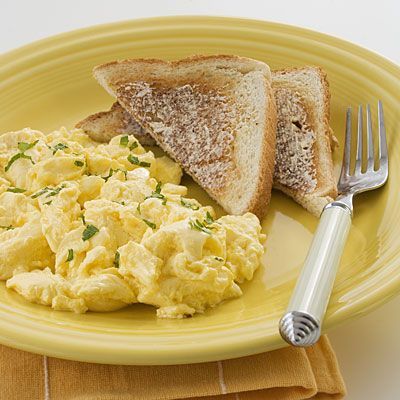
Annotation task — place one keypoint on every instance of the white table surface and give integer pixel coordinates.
(368, 349)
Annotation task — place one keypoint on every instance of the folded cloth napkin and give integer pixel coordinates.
(285, 374)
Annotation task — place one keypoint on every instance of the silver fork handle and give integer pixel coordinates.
(301, 324)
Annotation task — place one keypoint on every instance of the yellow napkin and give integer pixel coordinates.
(285, 374)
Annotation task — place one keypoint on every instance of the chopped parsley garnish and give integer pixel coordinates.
(199, 226)
(124, 141)
(70, 255)
(16, 157)
(112, 172)
(152, 225)
(133, 146)
(138, 208)
(55, 191)
(79, 163)
(40, 192)
(219, 258)
(89, 232)
(59, 146)
(7, 228)
(82, 217)
(189, 205)
(22, 146)
(116, 259)
(51, 191)
(15, 190)
(48, 203)
(157, 194)
(203, 226)
(134, 160)
(209, 219)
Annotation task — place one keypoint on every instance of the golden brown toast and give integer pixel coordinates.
(214, 115)
(303, 166)
(304, 139)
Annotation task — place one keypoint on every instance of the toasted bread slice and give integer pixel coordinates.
(214, 115)
(304, 167)
(103, 126)
(304, 140)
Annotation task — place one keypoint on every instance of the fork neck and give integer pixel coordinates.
(344, 201)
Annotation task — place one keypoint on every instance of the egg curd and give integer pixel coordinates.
(89, 226)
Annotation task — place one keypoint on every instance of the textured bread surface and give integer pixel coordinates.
(304, 143)
(103, 126)
(215, 115)
(304, 140)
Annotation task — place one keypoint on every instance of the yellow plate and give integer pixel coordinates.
(48, 83)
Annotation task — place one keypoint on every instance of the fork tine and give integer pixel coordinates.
(383, 152)
(359, 141)
(345, 172)
(370, 141)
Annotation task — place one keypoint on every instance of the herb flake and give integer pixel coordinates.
(89, 232)
(70, 255)
(157, 194)
(40, 192)
(16, 157)
(186, 204)
(209, 219)
(116, 259)
(112, 172)
(23, 146)
(82, 217)
(16, 190)
(199, 226)
(124, 141)
(152, 225)
(55, 191)
(79, 163)
(133, 146)
(203, 226)
(59, 146)
(134, 160)
(7, 228)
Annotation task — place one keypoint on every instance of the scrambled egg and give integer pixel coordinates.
(89, 226)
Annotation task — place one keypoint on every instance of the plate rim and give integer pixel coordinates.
(136, 354)
(104, 25)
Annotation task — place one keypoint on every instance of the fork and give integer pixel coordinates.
(302, 322)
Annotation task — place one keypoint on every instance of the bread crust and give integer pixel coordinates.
(183, 61)
(262, 196)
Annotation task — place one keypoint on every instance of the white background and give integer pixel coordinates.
(368, 349)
